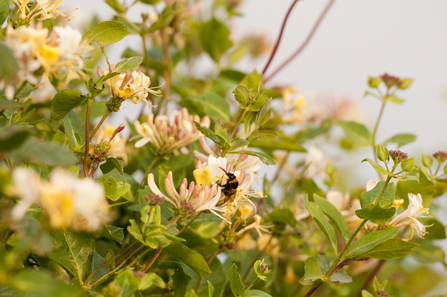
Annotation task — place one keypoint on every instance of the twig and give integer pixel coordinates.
(168, 71)
(299, 50)
(371, 276)
(160, 247)
(279, 37)
(87, 139)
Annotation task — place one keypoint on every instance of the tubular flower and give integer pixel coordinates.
(67, 200)
(43, 9)
(130, 85)
(189, 200)
(118, 144)
(257, 226)
(211, 173)
(239, 162)
(167, 138)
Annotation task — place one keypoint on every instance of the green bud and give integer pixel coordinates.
(382, 153)
(426, 160)
(374, 82)
(407, 165)
(114, 104)
(261, 269)
(404, 83)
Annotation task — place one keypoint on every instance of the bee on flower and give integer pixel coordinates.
(67, 200)
(166, 137)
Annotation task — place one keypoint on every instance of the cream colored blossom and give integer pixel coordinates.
(294, 105)
(188, 200)
(42, 9)
(257, 226)
(166, 137)
(118, 144)
(316, 162)
(68, 201)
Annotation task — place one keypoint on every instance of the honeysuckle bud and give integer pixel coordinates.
(154, 199)
(398, 156)
(440, 156)
(261, 269)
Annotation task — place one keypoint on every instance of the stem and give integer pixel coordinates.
(375, 130)
(237, 124)
(168, 71)
(189, 223)
(334, 267)
(256, 259)
(279, 37)
(251, 286)
(436, 172)
(160, 247)
(174, 220)
(19, 89)
(87, 139)
(100, 123)
(281, 165)
(107, 58)
(300, 49)
(371, 276)
(148, 170)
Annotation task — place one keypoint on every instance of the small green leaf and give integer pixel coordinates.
(64, 101)
(357, 132)
(313, 272)
(74, 129)
(115, 5)
(395, 99)
(376, 214)
(191, 293)
(256, 293)
(4, 11)
(112, 232)
(424, 187)
(106, 33)
(370, 241)
(426, 160)
(404, 83)
(252, 81)
(9, 63)
(366, 294)
(318, 216)
(241, 95)
(382, 153)
(393, 248)
(220, 41)
(261, 135)
(401, 139)
(213, 105)
(166, 17)
(114, 190)
(110, 164)
(376, 166)
(407, 165)
(190, 257)
(236, 284)
(210, 288)
(129, 64)
(374, 82)
(334, 215)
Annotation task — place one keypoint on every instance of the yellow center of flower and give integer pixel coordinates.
(203, 177)
(50, 53)
(59, 206)
(397, 203)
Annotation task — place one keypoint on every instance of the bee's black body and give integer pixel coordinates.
(230, 188)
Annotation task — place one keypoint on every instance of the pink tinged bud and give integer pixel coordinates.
(112, 67)
(191, 186)
(185, 182)
(242, 177)
(183, 194)
(99, 71)
(196, 191)
(199, 164)
(228, 167)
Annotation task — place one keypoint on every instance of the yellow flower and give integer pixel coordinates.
(203, 177)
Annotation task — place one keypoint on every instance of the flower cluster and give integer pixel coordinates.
(68, 201)
(167, 138)
(34, 48)
(42, 9)
(117, 143)
(294, 106)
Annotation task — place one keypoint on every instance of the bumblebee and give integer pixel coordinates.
(229, 189)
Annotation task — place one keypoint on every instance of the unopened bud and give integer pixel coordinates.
(154, 199)
(440, 156)
(117, 130)
(99, 71)
(398, 156)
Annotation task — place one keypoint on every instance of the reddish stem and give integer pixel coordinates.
(87, 138)
(160, 247)
(300, 49)
(279, 37)
(371, 276)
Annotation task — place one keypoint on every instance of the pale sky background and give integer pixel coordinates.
(356, 39)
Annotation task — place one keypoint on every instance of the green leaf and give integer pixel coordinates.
(366, 294)
(401, 139)
(376, 214)
(236, 284)
(13, 136)
(147, 281)
(266, 159)
(112, 232)
(423, 187)
(376, 166)
(370, 241)
(313, 272)
(318, 216)
(45, 153)
(213, 105)
(256, 293)
(241, 95)
(9, 63)
(191, 293)
(391, 249)
(214, 37)
(382, 153)
(334, 215)
(407, 165)
(210, 288)
(74, 129)
(436, 231)
(97, 260)
(282, 215)
(357, 132)
(135, 231)
(6, 104)
(41, 284)
(259, 102)
(64, 101)
(114, 190)
(165, 18)
(129, 64)
(73, 251)
(427, 252)
(426, 160)
(252, 81)
(116, 6)
(4, 11)
(110, 164)
(263, 135)
(180, 277)
(190, 257)
(404, 83)
(106, 33)
(278, 144)
(128, 283)
(394, 99)
(369, 197)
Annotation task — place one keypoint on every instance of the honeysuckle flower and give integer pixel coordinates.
(188, 200)
(67, 200)
(166, 137)
(257, 226)
(294, 106)
(316, 162)
(239, 162)
(118, 144)
(42, 9)
(245, 243)
(130, 85)
(371, 185)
